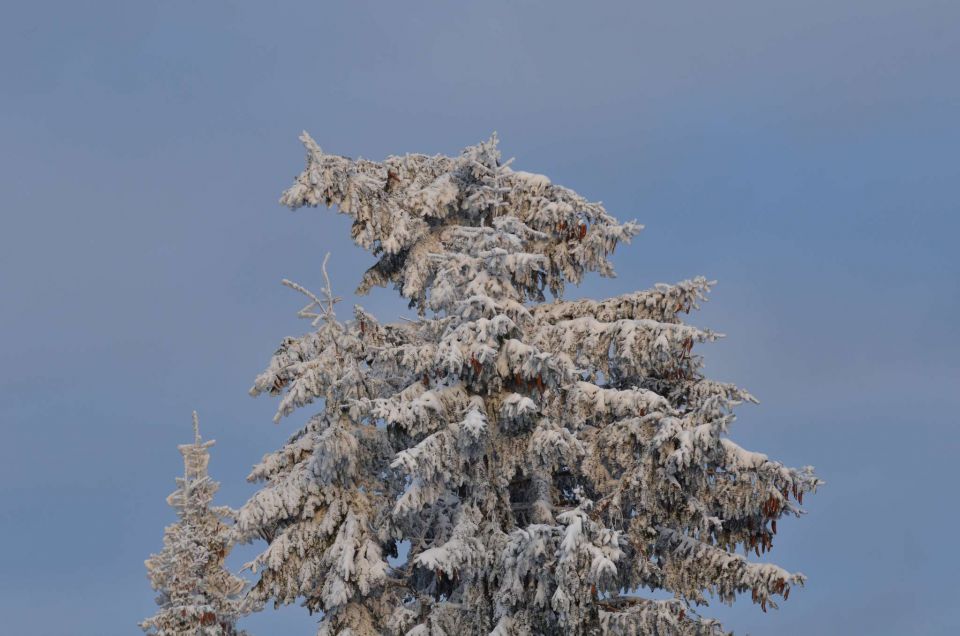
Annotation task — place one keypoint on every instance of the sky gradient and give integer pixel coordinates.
(803, 154)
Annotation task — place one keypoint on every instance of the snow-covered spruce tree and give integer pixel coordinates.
(544, 462)
(196, 594)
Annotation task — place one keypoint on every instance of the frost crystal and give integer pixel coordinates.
(538, 464)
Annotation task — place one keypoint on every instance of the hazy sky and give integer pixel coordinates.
(803, 154)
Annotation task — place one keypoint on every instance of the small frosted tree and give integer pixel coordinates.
(196, 594)
(540, 463)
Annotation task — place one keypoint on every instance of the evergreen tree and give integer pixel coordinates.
(196, 594)
(540, 463)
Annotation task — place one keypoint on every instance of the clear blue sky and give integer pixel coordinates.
(804, 154)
